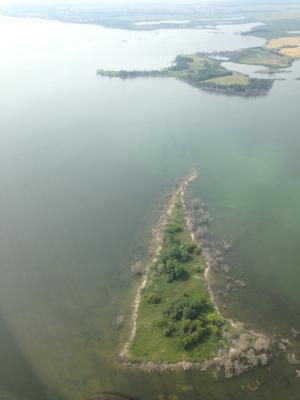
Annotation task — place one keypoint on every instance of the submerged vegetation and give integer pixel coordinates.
(177, 320)
(203, 72)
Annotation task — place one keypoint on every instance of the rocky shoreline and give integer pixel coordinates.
(246, 352)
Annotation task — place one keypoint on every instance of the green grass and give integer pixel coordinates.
(199, 63)
(234, 79)
(194, 68)
(261, 56)
(150, 343)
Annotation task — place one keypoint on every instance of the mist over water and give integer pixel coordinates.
(84, 164)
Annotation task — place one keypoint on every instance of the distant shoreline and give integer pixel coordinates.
(205, 72)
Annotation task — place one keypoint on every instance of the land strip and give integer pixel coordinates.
(155, 250)
(176, 322)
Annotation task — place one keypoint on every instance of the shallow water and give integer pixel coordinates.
(84, 164)
(251, 70)
(290, 73)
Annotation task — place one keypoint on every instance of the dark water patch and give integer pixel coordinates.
(18, 378)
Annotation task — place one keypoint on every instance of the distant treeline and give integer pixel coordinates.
(255, 88)
(123, 74)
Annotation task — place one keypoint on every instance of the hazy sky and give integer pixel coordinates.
(87, 2)
(43, 2)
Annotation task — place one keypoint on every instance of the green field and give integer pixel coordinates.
(234, 79)
(176, 319)
(260, 56)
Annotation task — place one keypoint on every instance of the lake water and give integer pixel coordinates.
(257, 71)
(84, 163)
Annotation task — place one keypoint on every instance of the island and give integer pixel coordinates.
(204, 72)
(207, 72)
(176, 322)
